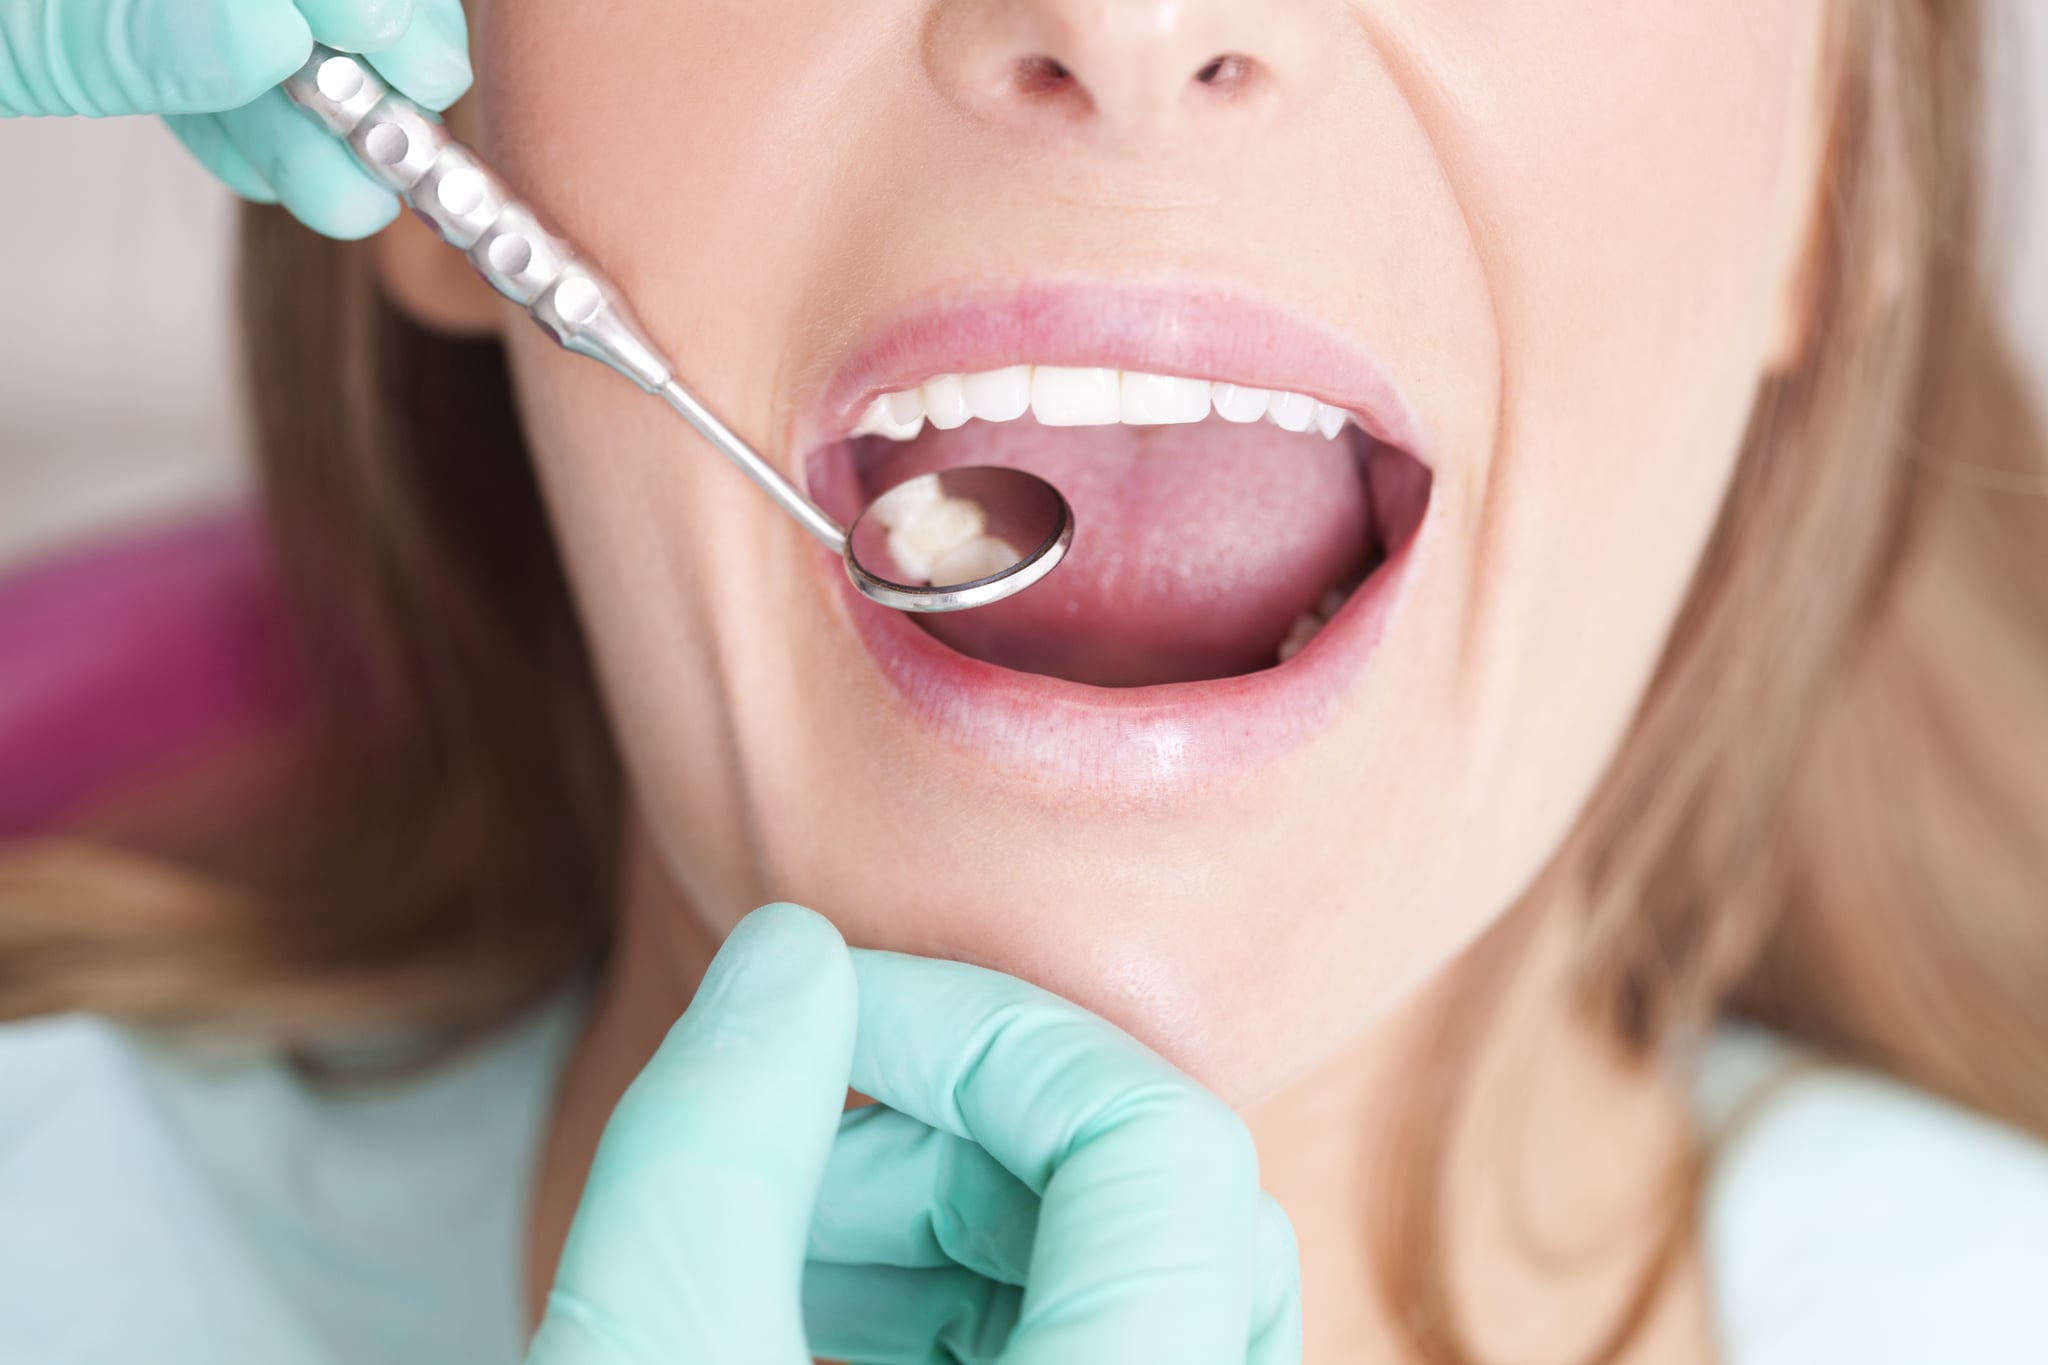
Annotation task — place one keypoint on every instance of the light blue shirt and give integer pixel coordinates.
(171, 1205)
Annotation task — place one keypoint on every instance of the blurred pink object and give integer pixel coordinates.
(123, 660)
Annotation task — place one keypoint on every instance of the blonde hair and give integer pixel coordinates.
(1831, 813)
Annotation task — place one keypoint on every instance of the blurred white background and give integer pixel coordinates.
(118, 396)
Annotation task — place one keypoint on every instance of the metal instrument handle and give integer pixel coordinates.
(470, 207)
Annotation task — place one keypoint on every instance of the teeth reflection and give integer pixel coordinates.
(906, 500)
(980, 557)
(931, 530)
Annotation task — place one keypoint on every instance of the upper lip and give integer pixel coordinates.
(1201, 333)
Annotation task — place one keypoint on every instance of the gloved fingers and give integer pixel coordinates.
(1149, 1183)
(207, 140)
(898, 1192)
(420, 46)
(357, 25)
(104, 57)
(429, 62)
(688, 1243)
(887, 1315)
(310, 171)
(1276, 1289)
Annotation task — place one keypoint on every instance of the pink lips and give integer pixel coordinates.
(1203, 335)
(1146, 743)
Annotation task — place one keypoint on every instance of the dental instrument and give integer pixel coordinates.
(948, 541)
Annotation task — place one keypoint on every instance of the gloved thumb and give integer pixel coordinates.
(689, 1242)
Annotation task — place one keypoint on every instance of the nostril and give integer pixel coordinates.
(1228, 72)
(1042, 75)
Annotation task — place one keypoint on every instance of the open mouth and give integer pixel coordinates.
(1220, 527)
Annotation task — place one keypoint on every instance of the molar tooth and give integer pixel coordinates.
(943, 526)
(910, 561)
(980, 557)
(933, 531)
(1305, 628)
(1330, 420)
(897, 506)
(1158, 399)
(1066, 397)
(1235, 403)
(945, 402)
(999, 395)
(1292, 411)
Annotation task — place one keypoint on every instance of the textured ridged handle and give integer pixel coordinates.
(451, 189)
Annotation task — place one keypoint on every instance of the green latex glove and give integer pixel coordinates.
(1040, 1187)
(211, 67)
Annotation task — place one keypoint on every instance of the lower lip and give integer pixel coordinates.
(1152, 744)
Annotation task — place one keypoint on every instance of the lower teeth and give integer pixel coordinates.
(1310, 623)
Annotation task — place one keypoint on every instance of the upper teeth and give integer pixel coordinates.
(1062, 396)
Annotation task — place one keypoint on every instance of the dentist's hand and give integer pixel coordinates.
(1040, 1188)
(211, 67)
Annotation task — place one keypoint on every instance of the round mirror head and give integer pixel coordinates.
(958, 539)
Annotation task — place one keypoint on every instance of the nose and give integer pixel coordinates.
(1127, 70)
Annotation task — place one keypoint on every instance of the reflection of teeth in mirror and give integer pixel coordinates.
(911, 567)
(1067, 396)
(931, 532)
(981, 557)
(906, 500)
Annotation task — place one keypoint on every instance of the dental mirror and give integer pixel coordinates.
(958, 539)
(940, 542)
(949, 541)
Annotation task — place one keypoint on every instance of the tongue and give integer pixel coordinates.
(1196, 548)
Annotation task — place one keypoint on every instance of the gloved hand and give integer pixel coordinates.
(212, 67)
(1040, 1188)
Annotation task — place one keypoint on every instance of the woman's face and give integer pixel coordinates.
(1544, 252)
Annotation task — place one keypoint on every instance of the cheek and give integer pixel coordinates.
(1636, 180)
(656, 135)
(1619, 170)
